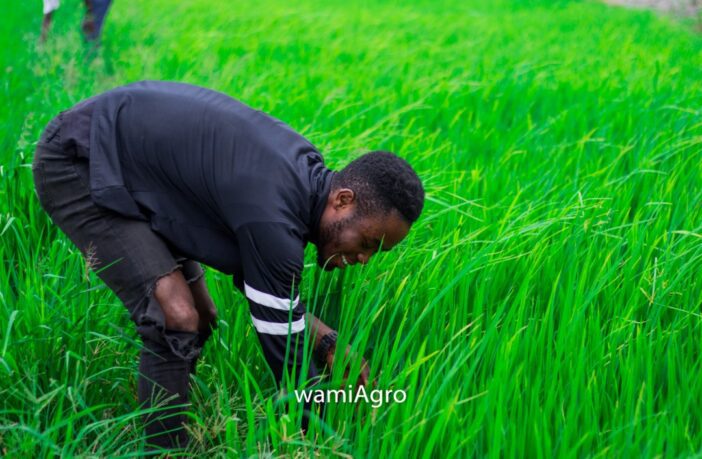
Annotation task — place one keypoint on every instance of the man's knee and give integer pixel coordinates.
(181, 316)
(176, 300)
(167, 345)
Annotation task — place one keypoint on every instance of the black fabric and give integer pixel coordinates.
(159, 168)
(162, 389)
(129, 257)
(75, 128)
(125, 253)
(272, 262)
(197, 164)
(226, 185)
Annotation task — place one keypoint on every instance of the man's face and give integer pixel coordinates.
(347, 238)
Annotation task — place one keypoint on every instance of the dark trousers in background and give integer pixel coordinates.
(95, 13)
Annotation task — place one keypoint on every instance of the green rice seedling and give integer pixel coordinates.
(545, 304)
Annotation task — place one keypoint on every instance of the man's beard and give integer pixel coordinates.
(329, 239)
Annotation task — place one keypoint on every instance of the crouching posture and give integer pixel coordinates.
(151, 179)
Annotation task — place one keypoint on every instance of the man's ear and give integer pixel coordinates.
(344, 197)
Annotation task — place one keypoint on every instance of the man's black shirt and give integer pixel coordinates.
(224, 184)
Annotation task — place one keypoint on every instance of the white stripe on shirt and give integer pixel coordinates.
(266, 299)
(274, 328)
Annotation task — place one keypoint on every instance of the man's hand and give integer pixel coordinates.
(319, 330)
(365, 371)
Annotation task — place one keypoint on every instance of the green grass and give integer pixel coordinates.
(546, 304)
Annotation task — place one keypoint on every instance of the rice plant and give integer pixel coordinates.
(546, 304)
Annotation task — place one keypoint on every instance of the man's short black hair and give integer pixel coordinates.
(383, 181)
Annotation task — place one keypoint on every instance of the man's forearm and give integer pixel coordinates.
(319, 328)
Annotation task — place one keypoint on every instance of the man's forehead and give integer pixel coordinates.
(389, 229)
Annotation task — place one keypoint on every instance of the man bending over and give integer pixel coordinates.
(150, 179)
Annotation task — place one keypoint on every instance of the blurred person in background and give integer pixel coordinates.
(95, 12)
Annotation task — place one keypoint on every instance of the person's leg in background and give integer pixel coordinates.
(49, 7)
(95, 13)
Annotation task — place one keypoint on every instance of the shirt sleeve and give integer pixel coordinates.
(272, 259)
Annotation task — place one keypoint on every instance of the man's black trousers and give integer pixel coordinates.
(130, 258)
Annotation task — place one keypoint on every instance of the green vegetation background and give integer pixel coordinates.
(547, 303)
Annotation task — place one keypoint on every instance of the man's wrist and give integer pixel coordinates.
(326, 345)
